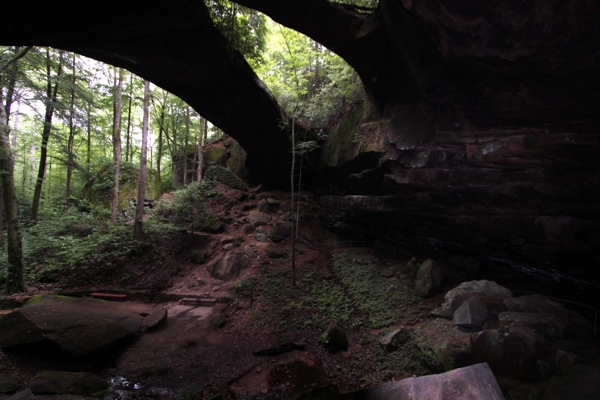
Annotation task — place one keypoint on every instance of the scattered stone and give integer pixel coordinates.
(365, 259)
(263, 206)
(213, 245)
(280, 232)
(227, 239)
(273, 202)
(336, 340)
(198, 257)
(79, 326)
(515, 352)
(386, 273)
(257, 218)
(260, 229)
(241, 196)
(275, 251)
(229, 246)
(261, 237)
(473, 382)
(445, 346)
(471, 314)
(248, 207)
(8, 385)
(218, 321)
(212, 223)
(249, 251)
(247, 228)
(429, 279)
(393, 340)
(156, 319)
(61, 383)
(229, 266)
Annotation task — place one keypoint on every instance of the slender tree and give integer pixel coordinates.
(116, 136)
(128, 139)
(138, 232)
(200, 159)
(14, 273)
(51, 96)
(71, 139)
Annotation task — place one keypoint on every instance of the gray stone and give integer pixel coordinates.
(548, 325)
(455, 297)
(365, 259)
(261, 237)
(26, 394)
(227, 239)
(429, 279)
(8, 385)
(247, 228)
(393, 340)
(336, 340)
(263, 206)
(581, 382)
(258, 218)
(249, 251)
(229, 266)
(260, 229)
(577, 326)
(443, 344)
(515, 352)
(471, 314)
(280, 232)
(229, 246)
(408, 272)
(273, 202)
(156, 319)
(198, 257)
(79, 326)
(61, 382)
(275, 251)
(386, 273)
(476, 382)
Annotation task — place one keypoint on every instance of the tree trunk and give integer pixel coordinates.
(138, 232)
(116, 136)
(89, 137)
(71, 137)
(160, 140)
(51, 101)
(200, 158)
(127, 142)
(14, 272)
(185, 146)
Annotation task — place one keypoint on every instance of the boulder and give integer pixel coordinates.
(227, 239)
(276, 251)
(156, 319)
(446, 346)
(8, 385)
(61, 383)
(258, 218)
(261, 237)
(26, 394)
(280, 232)
(407, 273)
(581, 382)
(198, 257)
(336, 340)
(471, 314)
(247, 228)
(548, 325)
(455, 297)
(515, 352)
(229, 246)
(476, 382)
(263, 206)
(429, 279)
(218, 321)
(225, 176)
(577, 326)
(393, 340)
(212, 223)
(229, 266)
(80, 327)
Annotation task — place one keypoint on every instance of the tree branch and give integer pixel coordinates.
(16, 58)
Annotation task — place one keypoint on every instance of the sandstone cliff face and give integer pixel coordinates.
(501, 159)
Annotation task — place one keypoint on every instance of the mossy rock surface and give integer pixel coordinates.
(225, 176)
(212, 223)
(237, 161)
(215, 154)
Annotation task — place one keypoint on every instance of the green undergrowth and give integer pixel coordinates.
(355, 294)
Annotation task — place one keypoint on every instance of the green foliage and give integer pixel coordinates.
(243, 27)
(187, 205)
(307, 79)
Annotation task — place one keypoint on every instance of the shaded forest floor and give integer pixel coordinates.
(336, 284)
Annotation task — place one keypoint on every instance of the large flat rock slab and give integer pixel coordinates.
(79, 326)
